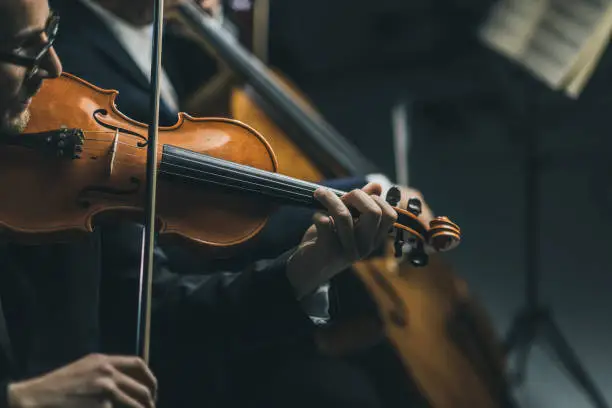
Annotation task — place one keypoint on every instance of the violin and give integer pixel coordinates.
(81, 158)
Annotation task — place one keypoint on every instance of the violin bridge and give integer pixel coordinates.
(112, 153)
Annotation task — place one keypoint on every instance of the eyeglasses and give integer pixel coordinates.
(27, 58)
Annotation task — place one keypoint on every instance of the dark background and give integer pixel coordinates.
(471, 111)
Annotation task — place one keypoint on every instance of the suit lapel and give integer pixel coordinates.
(97, 35)
(6, 349)
(5, 342)
(102, 39)
(110, 47)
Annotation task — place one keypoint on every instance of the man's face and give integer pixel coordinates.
(22, 33)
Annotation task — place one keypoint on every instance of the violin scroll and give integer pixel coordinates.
(442, 235)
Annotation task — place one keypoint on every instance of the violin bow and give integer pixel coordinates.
(143, 330)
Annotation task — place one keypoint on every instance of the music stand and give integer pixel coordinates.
(535, 320)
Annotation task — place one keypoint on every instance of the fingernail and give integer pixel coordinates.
(319, 191)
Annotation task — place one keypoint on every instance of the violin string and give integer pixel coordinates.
(110, 132)
(272, 177)
(293, 188)
(299, 191)
(241, 173)
(245, 178)
(240, 178)
(105, 151)
(296, 190)
(240, 170)
(244, 185)
(230, 182)
(295, 199)
(294, 183)
(285, 189)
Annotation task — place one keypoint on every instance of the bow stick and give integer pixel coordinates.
(143, 331)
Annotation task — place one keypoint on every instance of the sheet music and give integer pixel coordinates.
(558, 41)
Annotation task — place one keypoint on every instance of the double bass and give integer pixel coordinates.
(437, 330)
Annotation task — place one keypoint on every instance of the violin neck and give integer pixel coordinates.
(197, 168)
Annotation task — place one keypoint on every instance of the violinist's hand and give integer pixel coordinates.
(93, 381)
(329, 247)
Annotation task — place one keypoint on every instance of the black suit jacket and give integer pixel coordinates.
(49, 313)
(89, 50)
(51, 306)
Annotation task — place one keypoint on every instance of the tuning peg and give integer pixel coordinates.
(398, 244)
(394, 196)
(415, 206)
(417, 256)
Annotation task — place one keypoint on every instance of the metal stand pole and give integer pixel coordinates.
(535, 321)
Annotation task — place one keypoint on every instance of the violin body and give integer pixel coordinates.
(64, 195)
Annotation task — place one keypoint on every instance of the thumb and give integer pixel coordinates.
(372, 189)
(325, 228)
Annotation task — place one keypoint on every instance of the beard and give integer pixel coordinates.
(16, 125)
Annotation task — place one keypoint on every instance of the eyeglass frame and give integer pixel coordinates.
(33, 63)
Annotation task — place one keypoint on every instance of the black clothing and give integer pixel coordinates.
(81, 298)
(50, 299)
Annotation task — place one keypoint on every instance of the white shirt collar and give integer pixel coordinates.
(137, 42)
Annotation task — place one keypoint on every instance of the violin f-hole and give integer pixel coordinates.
(97, 115)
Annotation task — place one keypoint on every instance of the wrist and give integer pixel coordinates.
(17, 395)
(306, 271)
(294, 276)
(12, 397)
